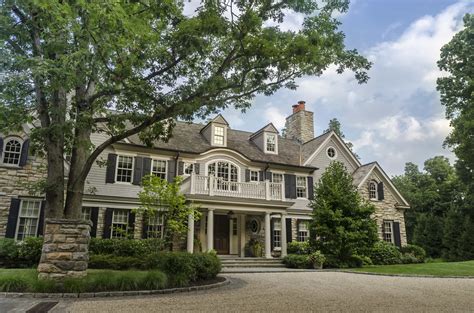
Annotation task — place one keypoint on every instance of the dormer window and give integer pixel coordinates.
(219, 136)
(270, 143)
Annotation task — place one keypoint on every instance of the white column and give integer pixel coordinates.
(242, 236)
(210, 229)
(190, 243)
(268, 241)
(283, 235)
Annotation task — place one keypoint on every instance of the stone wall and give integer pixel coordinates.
(300, 126)
(65, 249)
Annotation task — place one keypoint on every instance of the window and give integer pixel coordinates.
(124, 169)
(158, 168)
(119, 223)
(226, 174)
(28, 219)
(372, 190)
(331, 152)
(277, 178)
(388, 231)
(254, 176)
(188, 168)
(86, 214)
(254, 226)
(276, 234)
(12, 152)
(303, 231)
(301, 186)
(234, 227)
(155, 226)
(270, 143)
(219, 135)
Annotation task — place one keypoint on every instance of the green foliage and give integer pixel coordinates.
(206, 265)
(297, 261)
(384, 253)
(125, 248)
(342, 221)
(254, 248)
(317, 259)
(429, 234)
(24, 253)
(30, 250)
(296, 247)
(416, 253)
(114, 262)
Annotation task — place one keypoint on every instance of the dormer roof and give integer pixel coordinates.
(219, 119)
(269, 128)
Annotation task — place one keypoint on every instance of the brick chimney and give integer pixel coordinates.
(300, 124)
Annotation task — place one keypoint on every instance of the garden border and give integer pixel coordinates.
(404, 275)
(104, 294)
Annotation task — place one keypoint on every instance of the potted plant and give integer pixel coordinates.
(317, 259)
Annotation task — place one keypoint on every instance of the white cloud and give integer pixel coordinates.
(274, 115)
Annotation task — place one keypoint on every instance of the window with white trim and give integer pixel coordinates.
(188, 168)
(271, 143)
(28, 219)
(301, 187)
(155, 226)
(331, 152)
(158, 168)
(119, 223)
(12, 152)
(277, 178)
(218, 135)
(303, 231)
(86, 213)
(276, 234)
(372, 190)
(388, 231)
(226, 174)
(254, 176)
(124, 169)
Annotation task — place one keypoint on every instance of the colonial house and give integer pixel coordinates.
(249, 186)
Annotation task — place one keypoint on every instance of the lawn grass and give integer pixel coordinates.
(435, 269)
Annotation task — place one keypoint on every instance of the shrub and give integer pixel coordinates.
(296, 247)
(123, 247)
(113, 262)
(414, 253)
(29, 250)
(206, 265)
(297, 261)
(385, 253)
(24, 253)
(179, 267)
(13, 283)
(317, 259)
(155, 280)
(8, 252)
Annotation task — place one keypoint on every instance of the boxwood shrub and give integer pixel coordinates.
(385, 253)
(297, 261)
(123, 247)
(413, 254)
(20, 254)
(296, 247)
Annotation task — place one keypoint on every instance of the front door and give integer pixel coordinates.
(221, 234)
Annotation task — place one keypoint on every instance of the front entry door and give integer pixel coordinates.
(221, 234)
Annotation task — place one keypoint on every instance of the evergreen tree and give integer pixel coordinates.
(452, 236)
(335, 126)
(342, 225)
(428, 234)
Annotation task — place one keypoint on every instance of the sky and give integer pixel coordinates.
(397, 116)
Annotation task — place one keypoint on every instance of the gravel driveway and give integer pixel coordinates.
(309, 291)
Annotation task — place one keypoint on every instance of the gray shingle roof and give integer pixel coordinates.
(187, 138)
(310, 146)
(360, 173)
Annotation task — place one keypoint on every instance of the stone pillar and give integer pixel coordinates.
(65, 250)
(210, 229)
(190, 241)
(268, 241)
(242, 236)
(283, 236)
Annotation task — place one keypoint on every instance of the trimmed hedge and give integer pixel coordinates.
(296, 247)
(413, 254)
(123, 247)
(297, 261)
(20, 254)
(385, 253)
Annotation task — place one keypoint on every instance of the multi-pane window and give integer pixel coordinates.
(226, 174)
(188, 168)
(12, 152)
(234, 226)
(124, 169)
(28, 219)
(218, 135)
(331, 152)
(158, 168)
(277, 178)
(388, 231)
(86, 213)
(303, 231)
(270, 143)
(155, 226)
(301, 187)
(254, 177)
(276, 233)
(373, 190)
(119, 223)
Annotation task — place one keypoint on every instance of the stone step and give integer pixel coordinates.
(252, 265)
(251, 261)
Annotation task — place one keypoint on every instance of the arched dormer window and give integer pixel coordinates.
(373, 190)
(12, 151)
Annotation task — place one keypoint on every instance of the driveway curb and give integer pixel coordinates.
(105, 294)
(403, 275)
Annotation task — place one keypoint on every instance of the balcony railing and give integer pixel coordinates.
(216, 186)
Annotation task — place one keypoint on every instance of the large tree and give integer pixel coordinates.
(130, 67)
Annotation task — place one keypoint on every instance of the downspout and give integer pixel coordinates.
(176, 163)
(265, 170)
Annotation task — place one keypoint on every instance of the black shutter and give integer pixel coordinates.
(95, 220)
(247, 175)
(289, 231)
(40, 230)
(138, 171)
(268, 175)
(396, 234)
(108, 223)
(1, 147)
(261, 175)
(24, 152)
(110, 171)
(180, 168)
(290, 186)
(383, 229)
(13, 218)
(131, 224)
(144, 226)
(380, 191)
(310, 188)
(146, 170)
(196, 168)
(272, 226)
(171, 170)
